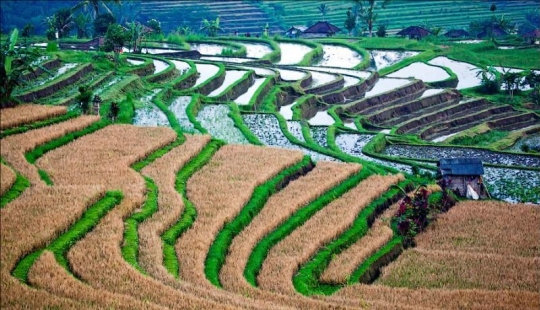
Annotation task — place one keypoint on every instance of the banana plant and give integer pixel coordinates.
(15, 62)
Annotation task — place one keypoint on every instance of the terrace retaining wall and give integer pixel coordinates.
(437, 117)
(396, 96)
(333, 85)
(183, 54)
(145, 70)
(163, 76)
(48, 90)
(238, 89)
(515, 122)
(415, 105)
(55, 63)
(352, 92)
(188, 81)
(209, 86)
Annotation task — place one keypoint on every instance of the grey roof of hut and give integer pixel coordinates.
(414, 32)
(457, 33)
(533, 34)
(322, 28)
(461, 166)
(496, 31)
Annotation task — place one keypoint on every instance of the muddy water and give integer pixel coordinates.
(465, 72)
(382, 59)
(150, 115)
(292, 53)
(178, 107)
(216, 120)
(205, 71)
(231, 76)
(246, 97)
(421, 71)
(339, 56)
(266, 128)
(256, 50)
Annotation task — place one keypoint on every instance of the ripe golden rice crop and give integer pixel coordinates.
(219, 191)
(28, 113)
(47, 274)
(7, 178)
(486, 227)
(14, 147)
(343, 265)
(279, 207)
(283, 259)
(362, 294)
(170, 204)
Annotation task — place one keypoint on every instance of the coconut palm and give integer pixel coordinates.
(94, 6)
(324, 9)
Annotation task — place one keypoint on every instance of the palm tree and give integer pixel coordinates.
(95, 5)
(324, 9)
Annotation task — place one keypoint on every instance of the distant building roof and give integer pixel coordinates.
(461, 166)
(457, 33)
(296, 29)
(533, 34)
(496, 31)
(414, 32)
(322, 28)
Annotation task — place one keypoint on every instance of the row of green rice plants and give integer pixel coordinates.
(366, 58)
(69, 95)
(165, 95)
(235, 115)
(49, 78)
(260, 251)
(169, 237)
(39, 124)
(17, 188)
(61, 245)
(39, 151)
(130, 85)
(193, 109)
(309, 58)
(306, 280)
(130, 246)
(218, 251)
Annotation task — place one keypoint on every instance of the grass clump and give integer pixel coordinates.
(18, 187)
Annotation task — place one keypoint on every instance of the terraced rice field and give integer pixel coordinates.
(278, 199)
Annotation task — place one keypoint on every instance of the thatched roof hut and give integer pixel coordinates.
(295, 31)
(532, 37)
(414, 32)
(457, 33)
(321, 29)
(495, 32)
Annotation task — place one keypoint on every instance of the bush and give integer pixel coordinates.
(381, 31)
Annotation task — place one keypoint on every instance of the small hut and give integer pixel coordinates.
(320, 29)
(295, 31)
(414, 32)
(464, 176)
(495, 31)
(532, 37)
(457, 33)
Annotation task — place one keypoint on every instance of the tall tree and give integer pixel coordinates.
(64, 21)
(350, 21)
(367, 12)
(81, 23)
(115, 39)
(95, 5)
(324, 9)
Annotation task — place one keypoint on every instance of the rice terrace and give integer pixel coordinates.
(270, 154)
